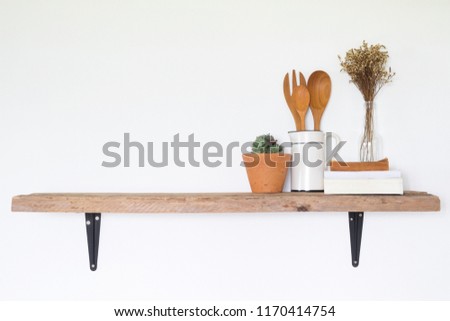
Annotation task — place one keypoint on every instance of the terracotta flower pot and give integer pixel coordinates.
(266, 172)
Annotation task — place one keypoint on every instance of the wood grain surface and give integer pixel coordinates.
(381, 165)
(223, 203)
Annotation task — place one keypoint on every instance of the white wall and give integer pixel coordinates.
(76, 74)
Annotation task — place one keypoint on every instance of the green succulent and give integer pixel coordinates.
(266, 144)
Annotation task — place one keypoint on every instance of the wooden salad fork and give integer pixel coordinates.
(296, 99)
(301, 100)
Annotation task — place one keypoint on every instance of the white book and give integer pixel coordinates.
(364, 186)
(362, 174)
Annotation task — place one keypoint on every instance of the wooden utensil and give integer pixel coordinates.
(319, 86)
(290, 101)
(299, 122)
(301, 99)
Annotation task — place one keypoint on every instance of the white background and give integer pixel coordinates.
(77, 74)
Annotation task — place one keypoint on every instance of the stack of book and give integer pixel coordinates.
(363, 178)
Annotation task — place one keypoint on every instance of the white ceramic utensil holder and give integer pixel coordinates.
(308, 160)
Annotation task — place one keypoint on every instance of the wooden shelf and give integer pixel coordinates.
(223, 203)
(93, 204)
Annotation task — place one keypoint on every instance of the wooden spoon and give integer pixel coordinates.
(319, 86)
(301, 99)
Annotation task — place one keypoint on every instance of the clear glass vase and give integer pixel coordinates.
(370, 144)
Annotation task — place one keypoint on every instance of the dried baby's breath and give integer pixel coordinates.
(367, 69)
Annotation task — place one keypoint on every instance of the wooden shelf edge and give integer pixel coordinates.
(137, 203)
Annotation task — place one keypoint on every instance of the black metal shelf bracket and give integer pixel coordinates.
(93, 221)
(93, 237)
(356, 220)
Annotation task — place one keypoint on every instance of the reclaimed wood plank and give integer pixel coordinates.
(222, 203)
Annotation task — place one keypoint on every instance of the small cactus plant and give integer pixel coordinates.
(266, 144)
